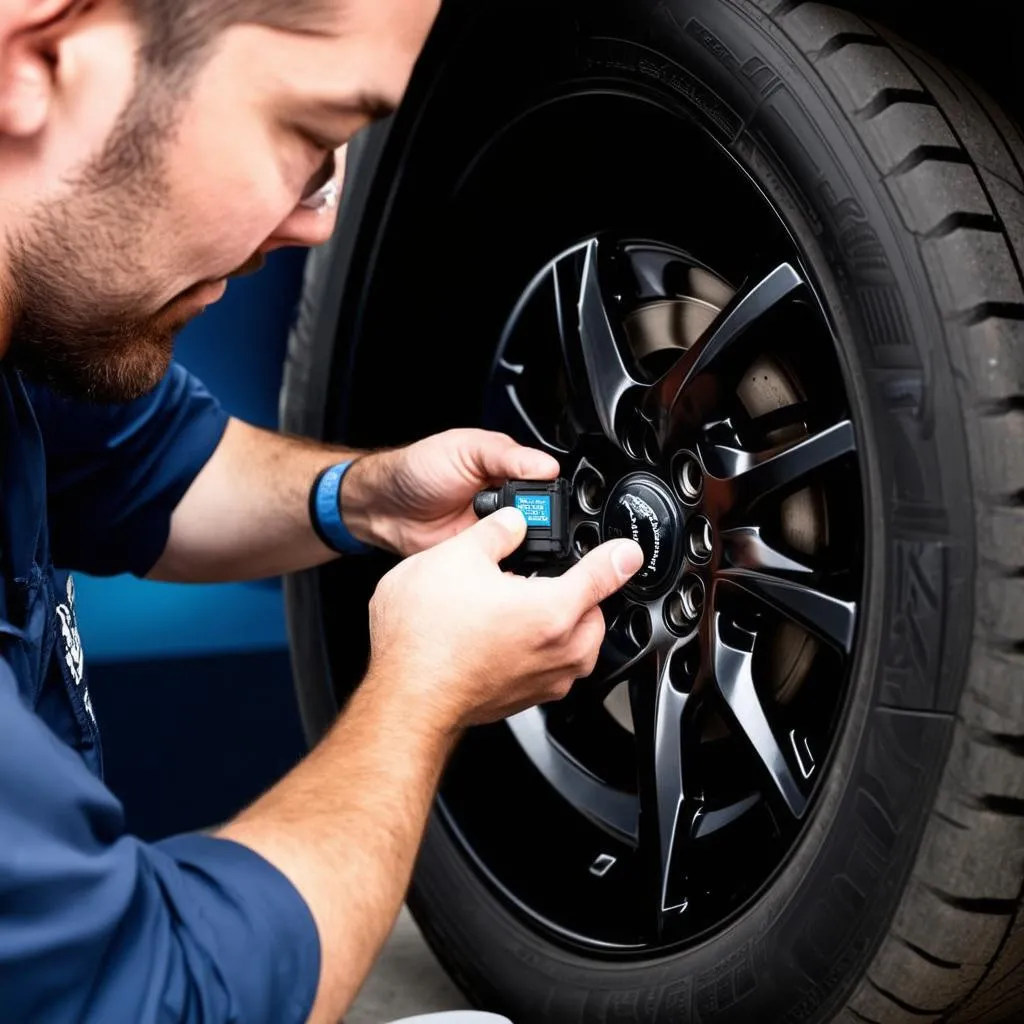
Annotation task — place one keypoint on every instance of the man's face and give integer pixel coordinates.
(121, 228)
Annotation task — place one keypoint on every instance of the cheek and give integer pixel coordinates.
(227, 195)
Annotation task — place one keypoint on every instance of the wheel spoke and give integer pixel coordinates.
(689, 387)
(828, 618)
(511, 416)
(624, 650)
(613, 810)
(735, 682)
(753, 476)
(608, 377)
(666, 815)
(746, 548)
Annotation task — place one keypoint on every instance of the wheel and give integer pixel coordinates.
(752, 272)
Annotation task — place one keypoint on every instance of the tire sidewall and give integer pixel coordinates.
(802, 947)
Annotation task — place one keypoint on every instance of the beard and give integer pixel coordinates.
(80, 323)
(84, 319)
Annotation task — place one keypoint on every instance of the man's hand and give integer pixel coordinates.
(412, 498)
(475, 644)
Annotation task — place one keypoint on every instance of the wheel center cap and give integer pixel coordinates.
(642, 508)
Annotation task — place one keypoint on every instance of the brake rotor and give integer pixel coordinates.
(656, 333)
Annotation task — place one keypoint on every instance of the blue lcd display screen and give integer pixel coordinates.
(536, 509)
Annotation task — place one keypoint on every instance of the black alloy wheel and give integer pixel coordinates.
(751, 269)
(711, 424)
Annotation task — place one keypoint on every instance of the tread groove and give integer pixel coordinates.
(914, 1011)
(989, 310)
(1002, 177)
(987, 906)
(1005, 741)
(889, 98)
(935, 961)
(861, 1016)
(971, 221)
(952, 822)
(844, 39)
(922, 154)
(1011, 806)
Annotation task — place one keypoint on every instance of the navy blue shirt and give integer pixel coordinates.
(94, 924)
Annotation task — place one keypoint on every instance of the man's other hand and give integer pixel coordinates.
(469, 644)
(410, 499)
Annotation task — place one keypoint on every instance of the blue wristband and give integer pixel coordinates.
(325, 512)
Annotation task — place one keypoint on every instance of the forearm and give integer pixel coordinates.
(246, 516)
(345, 827)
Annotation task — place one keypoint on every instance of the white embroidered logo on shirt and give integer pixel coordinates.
(74, 656)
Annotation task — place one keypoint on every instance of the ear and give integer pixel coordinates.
(29, 33)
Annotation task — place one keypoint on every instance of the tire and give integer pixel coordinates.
(903, 186)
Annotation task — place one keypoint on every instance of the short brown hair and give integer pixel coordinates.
(176, 33)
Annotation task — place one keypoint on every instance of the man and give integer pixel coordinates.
(149, 148)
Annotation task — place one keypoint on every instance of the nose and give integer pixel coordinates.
(302, 227)
(308, 227)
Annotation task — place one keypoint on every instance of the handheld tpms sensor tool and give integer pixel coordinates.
(545, 507)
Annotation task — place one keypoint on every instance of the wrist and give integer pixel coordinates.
(360, 500)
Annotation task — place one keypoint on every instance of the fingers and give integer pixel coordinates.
(498, 457)
(590, 635)
(498, 535)
(600, 574)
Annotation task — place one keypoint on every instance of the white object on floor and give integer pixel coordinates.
(456, 1017)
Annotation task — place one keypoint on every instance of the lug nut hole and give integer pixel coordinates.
(688, 477)
(683, 667)
(590, 491)
(700, 539)
(585, 539)
(641, 442)
(639, 626)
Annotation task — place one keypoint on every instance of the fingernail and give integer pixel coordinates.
(511, 518)
(627, 558)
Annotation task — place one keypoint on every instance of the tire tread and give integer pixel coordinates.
(954, 166)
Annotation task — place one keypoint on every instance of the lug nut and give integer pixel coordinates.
(692, 597)
(684, 607)
(688, 477)
(701, 539)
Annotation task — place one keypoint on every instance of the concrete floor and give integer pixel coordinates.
(405, 982)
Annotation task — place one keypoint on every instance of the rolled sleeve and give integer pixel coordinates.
(98, 926)
(116, 473)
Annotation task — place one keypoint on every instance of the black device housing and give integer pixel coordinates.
(545, 505)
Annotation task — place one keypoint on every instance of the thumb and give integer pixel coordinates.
(498, 534)
(601, 573)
